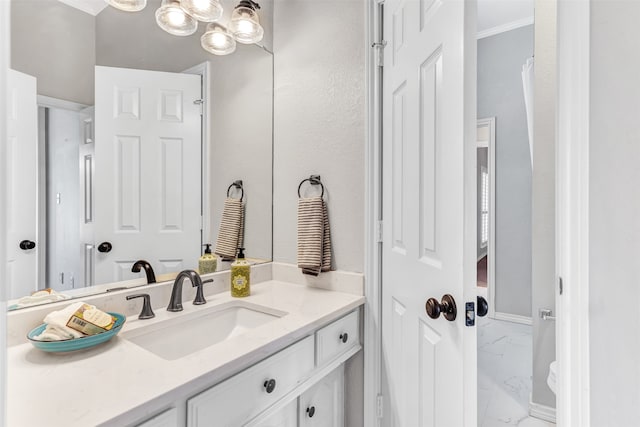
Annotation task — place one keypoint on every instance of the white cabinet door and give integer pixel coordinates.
(323, 404)
(147, 171)
(22, 177)
(286, 417)
(429, 212)
(168, 418)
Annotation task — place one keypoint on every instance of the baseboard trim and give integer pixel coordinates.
(515, 318)
(543, 412)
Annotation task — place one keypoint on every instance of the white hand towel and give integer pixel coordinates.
(57, 328)
(314, 236)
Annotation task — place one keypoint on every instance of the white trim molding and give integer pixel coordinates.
(5, 36)
(491, 250)
(505, 27)
(204, 71)
(572, 214)
(514, 318)
(542, 412)
(373, 246)
(92, 7)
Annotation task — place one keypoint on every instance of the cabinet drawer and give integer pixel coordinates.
(240, 398)
(336, 338)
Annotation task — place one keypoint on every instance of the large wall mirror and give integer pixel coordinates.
(141, 136)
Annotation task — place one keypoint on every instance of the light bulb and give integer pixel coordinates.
(171, 18)
(245, 24)
(203, 10)
(218, 40)
(128, 5)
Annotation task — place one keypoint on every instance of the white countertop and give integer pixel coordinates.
(120, 379)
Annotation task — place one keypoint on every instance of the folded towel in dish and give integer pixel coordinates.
(231, 231)
(314, 236)
(39, 297)
(57, 328)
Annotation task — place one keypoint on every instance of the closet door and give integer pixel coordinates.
(323, 404)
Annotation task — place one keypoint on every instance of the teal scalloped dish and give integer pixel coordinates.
(76, 343)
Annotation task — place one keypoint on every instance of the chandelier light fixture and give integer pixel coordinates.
(180, 18)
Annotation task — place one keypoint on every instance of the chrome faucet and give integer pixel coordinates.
(175, 302)
(151, 277)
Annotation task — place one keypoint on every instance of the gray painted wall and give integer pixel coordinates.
(543, 204)
(319, 121)
(54, 43)
(500, 94)
(319, 128)
(614, 212)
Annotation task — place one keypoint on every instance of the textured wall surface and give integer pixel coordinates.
(614, 212)
(500, 95)
(55, 43)
(543, 203)
(319, 121)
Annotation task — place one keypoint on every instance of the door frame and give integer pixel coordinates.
(373, 402)
(204, 71)
(491, 243)
(572, 215)
(4, 65)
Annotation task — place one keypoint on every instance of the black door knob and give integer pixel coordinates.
(344, 337)
(25, 245)
(270, 385)
(105, 247)
(447, 308)
(311, 411)
(483, 306)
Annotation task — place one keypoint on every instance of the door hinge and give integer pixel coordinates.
(379, 232)
(200, 102)
(379, 52)
(379, 406)
(560, 285)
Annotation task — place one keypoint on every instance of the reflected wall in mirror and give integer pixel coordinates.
(111, 164)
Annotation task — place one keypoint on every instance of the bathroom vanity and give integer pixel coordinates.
(275, 358)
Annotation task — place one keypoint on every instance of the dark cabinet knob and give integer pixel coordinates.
(25, 245)
(311, 411)
(105, 247)
(270, 385)
(483, 306)
(447, 308)
(344, 337)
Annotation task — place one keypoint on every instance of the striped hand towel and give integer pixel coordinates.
(314, 236)
(231, 232)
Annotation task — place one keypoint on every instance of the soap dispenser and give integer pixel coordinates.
(240, 276)
(208, 263)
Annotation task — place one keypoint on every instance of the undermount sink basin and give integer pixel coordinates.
(173, 339)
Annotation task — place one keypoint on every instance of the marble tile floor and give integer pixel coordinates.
(504, 374)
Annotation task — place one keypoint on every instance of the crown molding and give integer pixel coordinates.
(505, 27)
(92, 7)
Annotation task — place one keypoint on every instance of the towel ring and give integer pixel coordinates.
(313, 180)
(237, 184)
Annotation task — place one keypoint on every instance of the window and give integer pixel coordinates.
(484, 207)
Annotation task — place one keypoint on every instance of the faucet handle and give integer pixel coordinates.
(199, 299)
(147, 312)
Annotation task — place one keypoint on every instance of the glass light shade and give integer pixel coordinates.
(128, 5)
(245, 25)
(203, 10)
(218, 40)
(171, 18)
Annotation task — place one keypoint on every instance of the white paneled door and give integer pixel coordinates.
(429, 213)
(147, 171)
(22, 176)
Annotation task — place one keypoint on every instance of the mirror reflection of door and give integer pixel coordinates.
(148, 172)
(485, 187)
